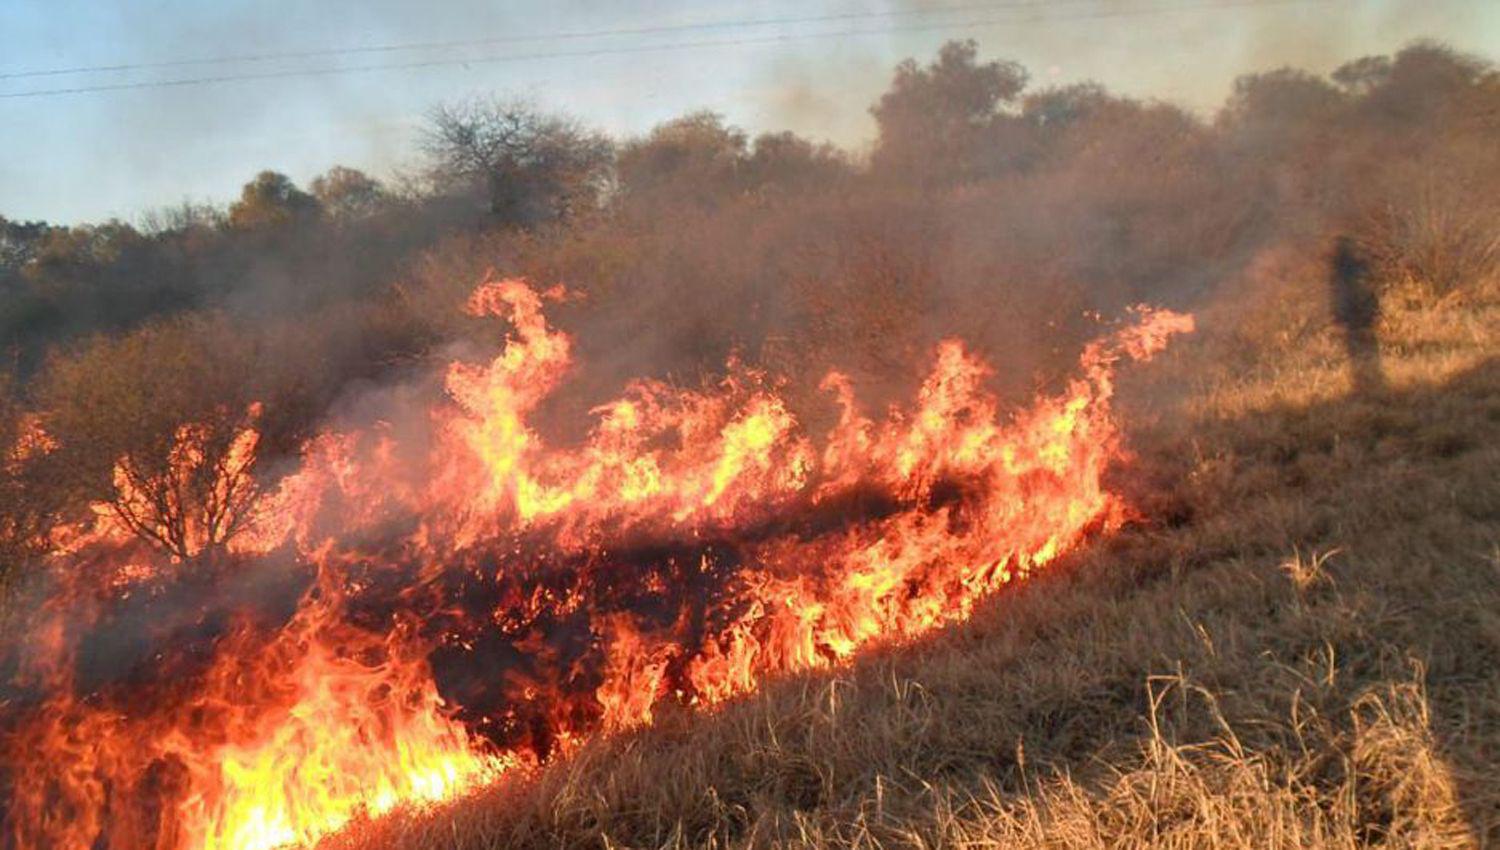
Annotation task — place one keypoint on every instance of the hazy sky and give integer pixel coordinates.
(90, 156)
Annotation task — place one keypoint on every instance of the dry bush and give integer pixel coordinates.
(1438, 230)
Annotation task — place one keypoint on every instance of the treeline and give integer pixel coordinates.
(987, 209)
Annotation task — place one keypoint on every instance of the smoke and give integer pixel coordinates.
(823, 97)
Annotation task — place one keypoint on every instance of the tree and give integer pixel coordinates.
(1426, 82)
(695, 158)
(699, 160)
(31, 499)
(530, 167)
(271, 200)
(348, 194)
(83, 279)
(1363, 75)
(1281, 106)
(161, 425)
(19, 241)
(1058, 109)
(945, 123)
(788, 162)
(182, 219)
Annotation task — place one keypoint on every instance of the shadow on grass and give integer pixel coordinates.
(1339, 561)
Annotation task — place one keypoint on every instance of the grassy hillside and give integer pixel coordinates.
(1298, 644)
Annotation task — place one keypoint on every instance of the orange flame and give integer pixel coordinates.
(696, 543)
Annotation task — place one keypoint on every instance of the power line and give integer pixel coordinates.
(639, 49)
(568, 35)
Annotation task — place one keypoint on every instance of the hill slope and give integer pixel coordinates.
(1298, 645)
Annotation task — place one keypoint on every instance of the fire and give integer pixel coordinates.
(280, 742)
(404, 619)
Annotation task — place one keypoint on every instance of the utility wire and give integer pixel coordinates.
(640, 49)
(568, 35)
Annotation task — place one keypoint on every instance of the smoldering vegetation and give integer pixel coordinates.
(988, 209)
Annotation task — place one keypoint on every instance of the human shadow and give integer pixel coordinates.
(1356, 309)
(1383, 508)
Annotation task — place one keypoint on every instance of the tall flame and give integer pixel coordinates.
(475, 601)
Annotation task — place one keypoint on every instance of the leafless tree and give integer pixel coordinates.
(532, 167)
(162, 425)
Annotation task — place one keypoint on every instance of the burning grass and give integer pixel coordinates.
(1299, 649)
(475, 603)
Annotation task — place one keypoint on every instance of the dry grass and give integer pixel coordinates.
(1299, 647)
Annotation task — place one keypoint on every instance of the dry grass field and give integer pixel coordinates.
(1297, 645)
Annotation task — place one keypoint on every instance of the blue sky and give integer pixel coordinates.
(91, 156)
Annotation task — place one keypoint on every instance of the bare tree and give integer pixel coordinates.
(162, 426)
(196, 497)
(531, 167)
